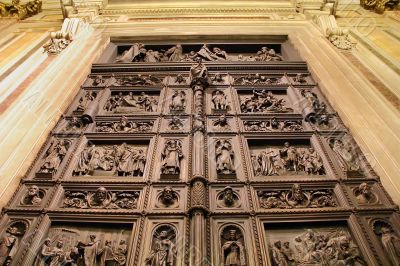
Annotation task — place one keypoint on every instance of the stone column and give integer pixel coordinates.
(198, 206)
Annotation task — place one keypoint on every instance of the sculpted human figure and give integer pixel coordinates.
(224, 157)
(171, 157)
(175, 53)
(123, 157)
(178, 102)
(346, 155)
(139, 162)
(45, 254)
(265, 163)
(101, 198)
(233, 253)
(289, 157)
(54, 155)
(278, 255)
(120, 253)
(391, 244)
(219, 100)
(33, 196)
(228, 197)
(168, 196)
(91, 251)
(198, 73)
(73, 125)
(217, 79)
(163, 252)
(296, 197)
(9, 244)
(221, 122)
(365, 195)
(85, 100)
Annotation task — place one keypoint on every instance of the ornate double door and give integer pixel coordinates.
(223, 154)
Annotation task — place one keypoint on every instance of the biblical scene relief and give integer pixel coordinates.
(133, 80)
(111, 160)
(53, 157)
(233, 249)
(273, 124)
(131, 102)
(101, 198)
(346, 153)
(263, 101)
(296, 197)
(85, 246)
(288, 159)
(10, 241)
(124, 125)
(331, 245)
(163, 247)
(389, 239)
(139, 52)
(73, 125)
(84, 101)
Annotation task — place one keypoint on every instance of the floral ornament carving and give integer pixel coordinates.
(273, 125)
(100, 199)
(258, 79)
(124, 126)
(296, 198)
(389, 239)
(314, 248)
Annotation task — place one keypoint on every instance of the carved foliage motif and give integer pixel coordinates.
(175, 123)
(273, 125)
(289, 160)
(122, 160)
(163, 247)
(233, 250)
(317, 248)
(221, 123)
(296, 198)
(100, 199)
(124, 126)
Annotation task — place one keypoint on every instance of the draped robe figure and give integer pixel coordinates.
(198, 73)
(233, 253)
(224, 157)
(391, 244)
(163, 252)
(172, 154)
(8, 245)
(91, 251)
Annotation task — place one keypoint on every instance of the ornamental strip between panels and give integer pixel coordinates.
(230, 155)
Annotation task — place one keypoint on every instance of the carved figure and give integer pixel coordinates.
(217, 79)
(34, 196)
(232, 250)
(263, 101)
(198, 73)
(297, 198)
(228, 197)
(346, 153)
(168, 196)
(45, 253)
(178, 102)
(258, 79)
(85, 100)
(100, 199)
(389, 239)
(98, 80)
(121, 103)
(300, 79)
(316, 111)
(123, 157)
(198, 123)
(266, 54)
(171, 157)
(20, 11)
(224, 156)
(175, 53)
(312, 248)
(136, 53)
(219, 100)
(9, 244)
(54, 156)
(180, 80)
(163, 251)
(364, 194)
(221, 122)
(73, 125)
(175, 123)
